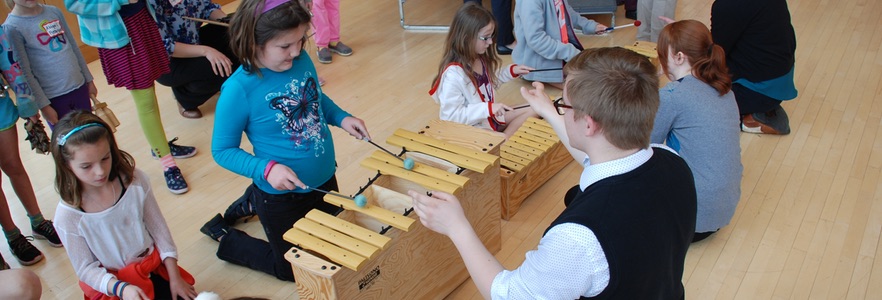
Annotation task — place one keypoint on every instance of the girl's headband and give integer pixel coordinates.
(63, 139)
(270, 4)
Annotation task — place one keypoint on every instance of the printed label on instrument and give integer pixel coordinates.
(369, 279)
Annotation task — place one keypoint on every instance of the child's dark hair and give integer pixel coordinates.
(66, 182)
(461, 40)
(695, 41)
(251, 28)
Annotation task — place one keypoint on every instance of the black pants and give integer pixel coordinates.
(504, 25)
(750, 102)
(277, 214)
(191, 79)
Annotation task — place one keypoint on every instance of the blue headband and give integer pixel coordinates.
(63, 139)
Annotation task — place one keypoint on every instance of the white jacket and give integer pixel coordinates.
(462, 102)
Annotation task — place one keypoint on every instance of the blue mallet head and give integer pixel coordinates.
(360, 201)
(408, 164)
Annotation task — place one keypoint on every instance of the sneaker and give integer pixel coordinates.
(241, 208)
(341, 49)
(178, 151)
(3, 264)
(175, 181)
(216, 228)
(46, 231)
(324, 55)
(26, 253)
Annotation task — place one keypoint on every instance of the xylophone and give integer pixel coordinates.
(528, 159)
(381, 251)
(647, 49)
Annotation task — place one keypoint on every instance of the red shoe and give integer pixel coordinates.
(751, 125)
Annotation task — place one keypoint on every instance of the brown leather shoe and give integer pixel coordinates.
(190, 113)
(751, 125)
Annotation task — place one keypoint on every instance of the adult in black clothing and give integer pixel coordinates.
(760, 46)
(504, 25)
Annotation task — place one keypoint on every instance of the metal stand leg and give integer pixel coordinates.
(418, 27)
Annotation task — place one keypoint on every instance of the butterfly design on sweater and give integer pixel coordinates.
(299, 109)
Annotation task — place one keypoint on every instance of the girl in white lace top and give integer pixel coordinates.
(116, 237)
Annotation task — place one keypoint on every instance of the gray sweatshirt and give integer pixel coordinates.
(702, 126)
(48, 53)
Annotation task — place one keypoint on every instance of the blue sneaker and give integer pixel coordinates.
(175, 181)
(178, 151)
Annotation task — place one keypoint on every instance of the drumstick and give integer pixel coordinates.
(543, 70)
(360, 200)
(519, 107)
(636, 23)
(213, 22)
(408, 162)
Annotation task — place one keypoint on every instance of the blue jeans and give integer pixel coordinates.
(277, 214)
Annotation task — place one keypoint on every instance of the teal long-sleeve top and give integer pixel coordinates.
(285, 116)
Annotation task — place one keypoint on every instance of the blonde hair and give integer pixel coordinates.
(252, 27)
(618, 89)
(462, 38)
(66, 182)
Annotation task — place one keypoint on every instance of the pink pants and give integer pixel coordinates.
(326, 20)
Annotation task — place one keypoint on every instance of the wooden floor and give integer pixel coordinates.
(808, 224)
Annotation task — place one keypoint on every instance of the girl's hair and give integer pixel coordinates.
(461, 41)
(66, 182)
(252, 27)
(708, 60)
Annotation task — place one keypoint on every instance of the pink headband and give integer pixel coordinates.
(270, 4)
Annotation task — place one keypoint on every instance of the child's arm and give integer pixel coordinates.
(81, 61)
(17, 40)
(85, 264)
(453, 92)
(96, 8)
(664, 118)
(13, 75)
(177, 285)
(588, 26)
(154, 222)
(537, 38)
(231, 119)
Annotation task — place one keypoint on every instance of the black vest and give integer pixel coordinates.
(644, 221)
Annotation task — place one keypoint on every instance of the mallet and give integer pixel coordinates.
(636, 23)
(360, 200)
(408, 162)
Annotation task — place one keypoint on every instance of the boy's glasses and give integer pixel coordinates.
(560, 106)
(485, 38)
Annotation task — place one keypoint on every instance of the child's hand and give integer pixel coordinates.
(93, 90)
(666, 19)
(539, 100)
(521, 70)
(49, 114)
(220, 63)
(282, 178)
(180, 288)
(600, 28)
(442, 212)
(133, 292)
(499, 109)
(355, 127)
